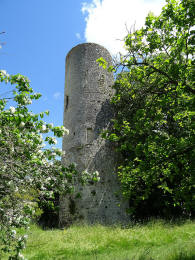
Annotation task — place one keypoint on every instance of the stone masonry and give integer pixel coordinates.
(87, 112)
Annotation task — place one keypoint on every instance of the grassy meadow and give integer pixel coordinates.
(152, 241)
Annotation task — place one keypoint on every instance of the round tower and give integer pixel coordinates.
(87, 112)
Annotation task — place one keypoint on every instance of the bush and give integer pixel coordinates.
(29, 173)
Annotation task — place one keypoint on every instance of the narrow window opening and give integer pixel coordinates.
(101, 81)
(67, 102)
(89, 135)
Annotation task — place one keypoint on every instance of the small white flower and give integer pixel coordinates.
(20, 256)
(13, 232)
(43, 188)
(22, 124)
(40, 152)
(27, 178)
(55, 141)
(65, 130)
(44, 128)
(50, 163)
(85, 172)
(3, 72)
(0, 131)
(12, 110)
(96, 173)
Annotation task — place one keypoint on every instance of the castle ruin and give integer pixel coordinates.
(87, 112)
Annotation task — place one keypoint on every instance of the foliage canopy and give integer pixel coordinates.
(154, 103)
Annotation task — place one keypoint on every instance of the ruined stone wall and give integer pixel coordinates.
(87, 112)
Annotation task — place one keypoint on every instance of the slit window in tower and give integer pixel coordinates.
(67, 102)
(89, 135)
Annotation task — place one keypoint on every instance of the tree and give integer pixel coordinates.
(154, 102)
(28, 171)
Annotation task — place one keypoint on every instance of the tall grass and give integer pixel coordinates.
(155, 240)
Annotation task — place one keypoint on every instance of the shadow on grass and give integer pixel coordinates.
(61, 255)
(180, 256)
(95, 255)
(184, 256)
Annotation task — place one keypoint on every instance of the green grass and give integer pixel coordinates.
(155, 240)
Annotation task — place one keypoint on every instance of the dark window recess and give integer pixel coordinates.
(67, 102)
(93, 192)
(72, 207)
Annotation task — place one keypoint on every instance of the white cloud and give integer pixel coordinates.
(57, 95)
(107, 21)
(78, 36)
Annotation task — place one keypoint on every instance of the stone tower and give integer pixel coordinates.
(87, 112)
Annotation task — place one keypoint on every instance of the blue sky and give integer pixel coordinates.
(39, 34)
